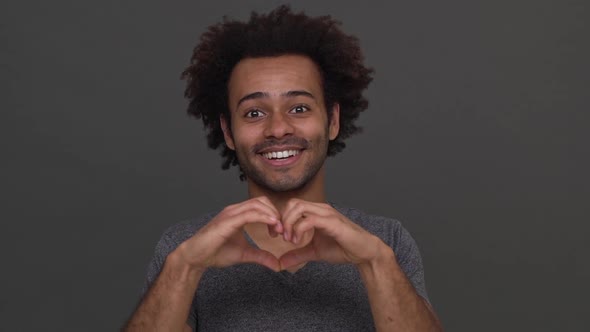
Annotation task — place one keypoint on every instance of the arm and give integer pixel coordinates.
(395, 304)
(219, 244)
(166, 305)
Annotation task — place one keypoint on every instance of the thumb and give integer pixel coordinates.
(298, 256)
(260, 257)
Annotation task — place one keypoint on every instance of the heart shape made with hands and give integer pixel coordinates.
(308, 231)
(284, 249)
(312, 232)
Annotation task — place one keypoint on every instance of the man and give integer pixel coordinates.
(278, 94)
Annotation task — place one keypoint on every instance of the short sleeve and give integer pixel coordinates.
(164, 247)
(155, 265)
(409, 258)
(398, 238)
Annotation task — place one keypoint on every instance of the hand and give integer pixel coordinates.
(221, 242)
(335, 239)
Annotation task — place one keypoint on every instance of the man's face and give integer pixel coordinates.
(279, 123)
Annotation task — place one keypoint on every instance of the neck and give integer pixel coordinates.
(313, 191)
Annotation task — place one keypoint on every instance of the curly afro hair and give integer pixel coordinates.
(280, 32)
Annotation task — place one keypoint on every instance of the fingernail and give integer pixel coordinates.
(295, 239)
(286, 236)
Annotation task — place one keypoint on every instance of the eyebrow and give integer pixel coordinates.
(288, 94)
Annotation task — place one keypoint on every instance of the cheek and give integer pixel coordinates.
(244, 137)
(316, 131)
(312, 126)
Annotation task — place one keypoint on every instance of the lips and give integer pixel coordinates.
(281, 156)
(275, 145)
(281, 152)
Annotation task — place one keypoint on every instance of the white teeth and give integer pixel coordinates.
(280, 154)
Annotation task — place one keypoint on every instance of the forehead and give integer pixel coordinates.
(274, 76)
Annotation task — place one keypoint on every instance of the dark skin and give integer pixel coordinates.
(290, 227)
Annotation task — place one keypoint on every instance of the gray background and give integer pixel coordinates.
(476, 138)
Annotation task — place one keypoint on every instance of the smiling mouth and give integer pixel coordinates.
(280, 155)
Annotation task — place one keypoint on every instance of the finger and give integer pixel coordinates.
(328, 219)
(340, 239)
(266, 201)
(300, 228)
(292, 213)
(279, 227)
(297, 256)
(296, 211)
(231, 225)
(261, 257)
(256, 203)
(271, 231)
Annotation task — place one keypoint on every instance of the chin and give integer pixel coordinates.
(282, 180)
(281, 185)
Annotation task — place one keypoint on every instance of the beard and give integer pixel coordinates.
(285, 180)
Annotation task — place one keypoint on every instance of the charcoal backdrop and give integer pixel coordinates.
(476, 138)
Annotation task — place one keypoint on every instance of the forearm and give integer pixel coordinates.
(394, 303)
(166, 305)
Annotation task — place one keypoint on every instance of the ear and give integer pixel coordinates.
(229, 141)
(334, 125)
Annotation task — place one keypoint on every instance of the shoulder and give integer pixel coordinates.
(174, 235)
(389, 230)
(378, 225)
(398, 238)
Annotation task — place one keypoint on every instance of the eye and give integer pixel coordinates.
(299, 109)
(254, 113)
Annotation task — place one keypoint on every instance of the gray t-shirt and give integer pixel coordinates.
(318, 297)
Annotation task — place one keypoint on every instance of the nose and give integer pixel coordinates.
(278, 125)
